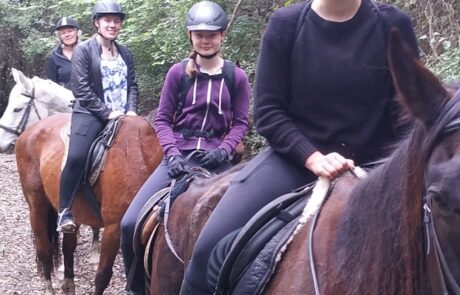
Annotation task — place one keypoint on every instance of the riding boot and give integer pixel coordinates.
(66, 223)
(187, 289)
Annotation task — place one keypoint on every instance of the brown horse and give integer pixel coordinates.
(374, 240)
(135, 153)
(370, 237)
(193, 209)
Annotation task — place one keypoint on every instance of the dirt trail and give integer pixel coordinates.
(18, 269)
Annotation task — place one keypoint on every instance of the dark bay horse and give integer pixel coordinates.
(393, 232)
(396, 232)
(135, 153)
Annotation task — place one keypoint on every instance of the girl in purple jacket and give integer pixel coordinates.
(211, 117)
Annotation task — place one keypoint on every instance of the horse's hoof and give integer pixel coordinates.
(94, 258)
(68, 286)
(60, 272)
(48, 288)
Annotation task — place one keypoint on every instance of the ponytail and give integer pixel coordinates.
(191, 69)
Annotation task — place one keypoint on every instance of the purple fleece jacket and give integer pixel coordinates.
(207, 107)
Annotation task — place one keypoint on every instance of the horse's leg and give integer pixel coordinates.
(109, 249)
(43, 223)
(69, 243)
(95, 248)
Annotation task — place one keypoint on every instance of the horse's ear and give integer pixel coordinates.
(420, 92)
(20, 78)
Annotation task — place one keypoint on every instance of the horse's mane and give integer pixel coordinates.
(381, 227)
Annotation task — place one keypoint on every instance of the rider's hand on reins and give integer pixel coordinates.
(213, 158)
(176, 167)
(330, 165)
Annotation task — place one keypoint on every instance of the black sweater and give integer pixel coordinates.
(331, 90)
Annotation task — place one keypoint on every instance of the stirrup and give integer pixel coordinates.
(65, 222)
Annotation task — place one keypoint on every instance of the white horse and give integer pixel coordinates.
(30, 100)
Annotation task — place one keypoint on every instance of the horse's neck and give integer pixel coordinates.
(56, 104)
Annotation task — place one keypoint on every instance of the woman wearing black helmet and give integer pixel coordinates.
(210, 116)
(104, 84)
(58, 68)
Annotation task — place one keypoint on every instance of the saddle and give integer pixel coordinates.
(244, 260)
(156, 210)
(96, 158)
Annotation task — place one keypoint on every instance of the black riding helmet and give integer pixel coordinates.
(206, 16)
(107, 7)
(67, 22)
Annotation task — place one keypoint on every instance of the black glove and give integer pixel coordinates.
(176, 166)
(214, 158)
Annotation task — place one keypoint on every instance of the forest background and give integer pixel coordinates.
(154, 31)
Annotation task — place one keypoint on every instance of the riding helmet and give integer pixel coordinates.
(107, 7)
(206, 16)
(67, 22)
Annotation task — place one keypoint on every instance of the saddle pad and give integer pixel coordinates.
(257, 232)
(98, 150)
(144, 214)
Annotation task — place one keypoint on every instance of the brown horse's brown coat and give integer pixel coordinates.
(135, 153)
(188, 215)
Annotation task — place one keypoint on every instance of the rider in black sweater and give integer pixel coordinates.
(324, 101)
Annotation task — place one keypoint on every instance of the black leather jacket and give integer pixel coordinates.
(86, 79)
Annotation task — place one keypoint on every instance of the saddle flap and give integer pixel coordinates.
(256, 233)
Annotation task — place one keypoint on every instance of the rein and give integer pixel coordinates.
(356, 173)
(25, 118)
(192, 173)
(310, 238)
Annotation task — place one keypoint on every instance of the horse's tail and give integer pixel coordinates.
(53, 235)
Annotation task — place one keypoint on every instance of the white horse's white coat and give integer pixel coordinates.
(49, 98)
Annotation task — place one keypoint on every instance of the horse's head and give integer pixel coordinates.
(30, 100)
(437, 111)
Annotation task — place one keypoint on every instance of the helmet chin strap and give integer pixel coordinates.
(209, 56)
(111, 42)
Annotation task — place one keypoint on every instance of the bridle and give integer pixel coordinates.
(25, 118)
(445, 275)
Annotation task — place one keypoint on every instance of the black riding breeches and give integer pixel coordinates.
(266, 177)
(83, 131)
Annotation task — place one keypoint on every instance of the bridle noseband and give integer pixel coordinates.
(25, 118)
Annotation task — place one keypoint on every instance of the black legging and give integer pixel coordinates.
(267, 176)
(84, 129)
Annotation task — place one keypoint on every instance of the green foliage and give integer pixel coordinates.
(447, 65)
(154, 31)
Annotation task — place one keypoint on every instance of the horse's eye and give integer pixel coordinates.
(17, 110)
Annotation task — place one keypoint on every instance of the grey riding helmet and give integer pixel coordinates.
(206, 16)
(67, 22)
(107, 7)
